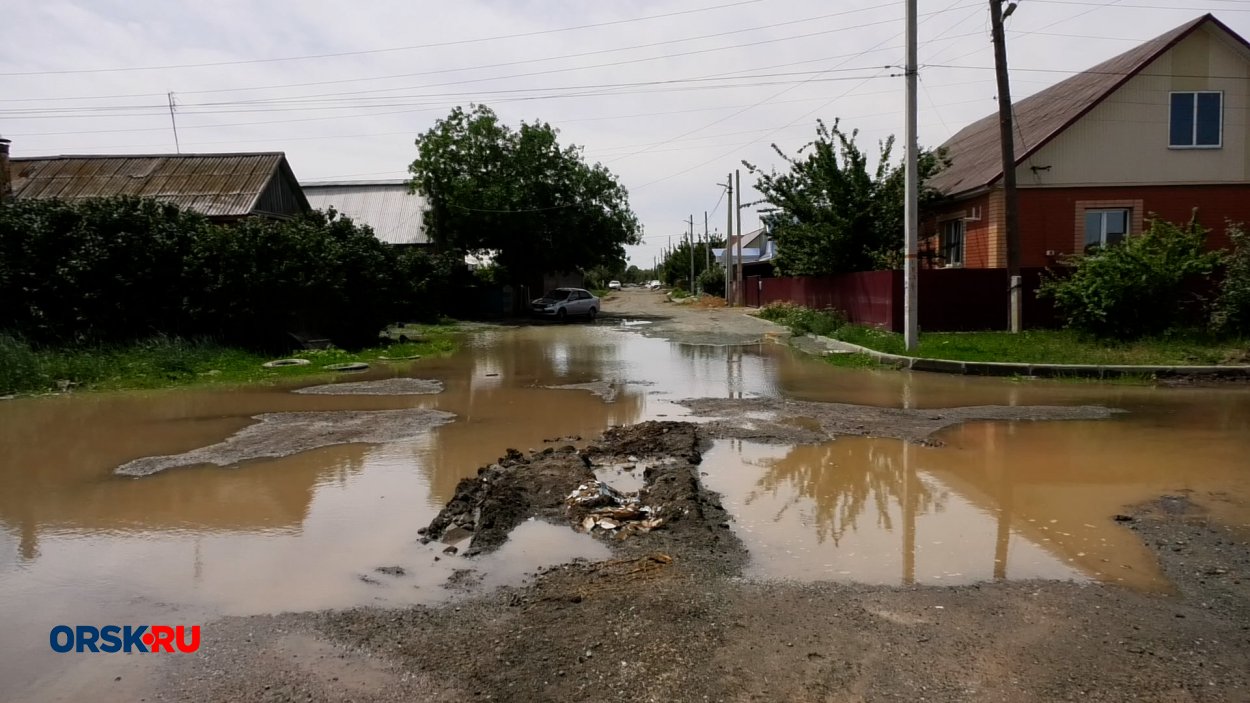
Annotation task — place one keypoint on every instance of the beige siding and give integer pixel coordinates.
(1124, 140)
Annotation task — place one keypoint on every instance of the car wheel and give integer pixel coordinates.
(561, 315)
(591, 315)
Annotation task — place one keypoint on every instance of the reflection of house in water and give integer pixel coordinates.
(1002, 500)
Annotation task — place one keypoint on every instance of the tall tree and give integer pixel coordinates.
(834, 215)
(539, 207)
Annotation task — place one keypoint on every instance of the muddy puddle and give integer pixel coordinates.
(80, 544)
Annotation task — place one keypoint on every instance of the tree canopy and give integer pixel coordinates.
(537, 206)
(833, 214)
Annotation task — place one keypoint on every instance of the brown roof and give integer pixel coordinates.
(976, 158)
(217, 185)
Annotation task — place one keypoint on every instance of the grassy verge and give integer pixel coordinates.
(165, 362)
(1050, 347)
(803, 320)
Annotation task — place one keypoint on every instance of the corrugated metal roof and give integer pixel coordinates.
(976, 158)
(217, 185)
(396, 216)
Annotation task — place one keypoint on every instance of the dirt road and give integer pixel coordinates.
(688, 323)
(669, 618)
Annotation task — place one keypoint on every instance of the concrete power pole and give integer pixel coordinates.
(738, 292)
(911, 208)
(691, 240)
(1005, 126)
(729, 230)
(707, 243)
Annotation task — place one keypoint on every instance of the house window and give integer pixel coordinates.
(1197, 120)
(951, 242)
(1103, 227)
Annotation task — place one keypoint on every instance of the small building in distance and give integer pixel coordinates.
(395, 214)
(224, 187)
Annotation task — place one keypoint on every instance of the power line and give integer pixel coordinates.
(457, 42)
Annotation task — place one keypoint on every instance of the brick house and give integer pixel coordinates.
(1161, 129)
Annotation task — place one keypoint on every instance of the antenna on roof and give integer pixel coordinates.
(174, 122)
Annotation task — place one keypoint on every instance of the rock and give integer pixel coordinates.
(391, 570)
(1123, 518)
(450, 550)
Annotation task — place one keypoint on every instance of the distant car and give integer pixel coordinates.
(654, 285)
(614, 285)
(563, 303)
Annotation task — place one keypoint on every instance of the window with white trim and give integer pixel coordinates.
(1103, 227)
(1197, 120)
(951, 242)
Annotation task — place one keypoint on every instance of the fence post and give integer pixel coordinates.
(1017, 303)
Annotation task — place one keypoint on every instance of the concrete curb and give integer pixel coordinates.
(1001, 368)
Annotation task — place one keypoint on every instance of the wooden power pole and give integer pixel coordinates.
(1006, 137)
(729, 230)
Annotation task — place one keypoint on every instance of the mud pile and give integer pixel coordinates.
(672, 511)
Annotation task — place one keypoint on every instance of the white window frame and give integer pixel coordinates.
(1194, 136)
(1102, 235)
(947, 262)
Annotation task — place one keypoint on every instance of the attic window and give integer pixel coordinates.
(1197, 120)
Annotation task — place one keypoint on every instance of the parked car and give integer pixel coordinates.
(563, 303)
(614, 285)
(654, 285)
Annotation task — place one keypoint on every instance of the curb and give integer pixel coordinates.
(1004, 368)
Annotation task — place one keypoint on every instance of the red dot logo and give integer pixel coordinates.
(149, 639)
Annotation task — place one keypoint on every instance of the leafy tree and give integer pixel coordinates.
(834, 215)
(516, 192)
(1136, 287)
(1231, 314)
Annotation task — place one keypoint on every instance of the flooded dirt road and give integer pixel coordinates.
(998, 501)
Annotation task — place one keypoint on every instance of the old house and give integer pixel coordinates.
(388, 207)
(1160, 130)
(225, 187)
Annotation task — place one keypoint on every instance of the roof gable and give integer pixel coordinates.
(389, 207)
(975, 153)
(217, 185)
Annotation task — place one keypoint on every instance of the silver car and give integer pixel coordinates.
(563, 303)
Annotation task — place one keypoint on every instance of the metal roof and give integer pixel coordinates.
(976, 157)
(395, 214)
(217, 185)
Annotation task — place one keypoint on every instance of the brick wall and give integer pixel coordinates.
(1052, 219)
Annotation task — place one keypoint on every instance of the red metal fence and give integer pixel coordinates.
(951, 300)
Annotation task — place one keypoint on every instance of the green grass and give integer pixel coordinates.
(163, 362)
(1051, 347)
(803, 320)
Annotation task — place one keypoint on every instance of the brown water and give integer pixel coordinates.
(80, 545)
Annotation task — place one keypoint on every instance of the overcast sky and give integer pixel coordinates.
(669, 94)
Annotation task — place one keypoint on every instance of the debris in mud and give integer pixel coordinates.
(804, 422)
(391, 570)
(284, 434)
(386, 386)
(604, 389)
(595, 504)
(560, 485)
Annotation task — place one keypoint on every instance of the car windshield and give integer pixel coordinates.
(557, 294)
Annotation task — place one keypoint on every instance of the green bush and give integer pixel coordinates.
(1135, 288)
(116, 270)
(1231, 312)
(803, 320)
(712, 281)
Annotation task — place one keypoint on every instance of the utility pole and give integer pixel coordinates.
(691, 223)
(172, 121)
(911, 208)
(729, 230)
(738, 292)
(707, 243)
(1007, 140)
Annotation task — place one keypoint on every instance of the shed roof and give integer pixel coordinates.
(395, 214)
(976, 158)
(217, 185)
